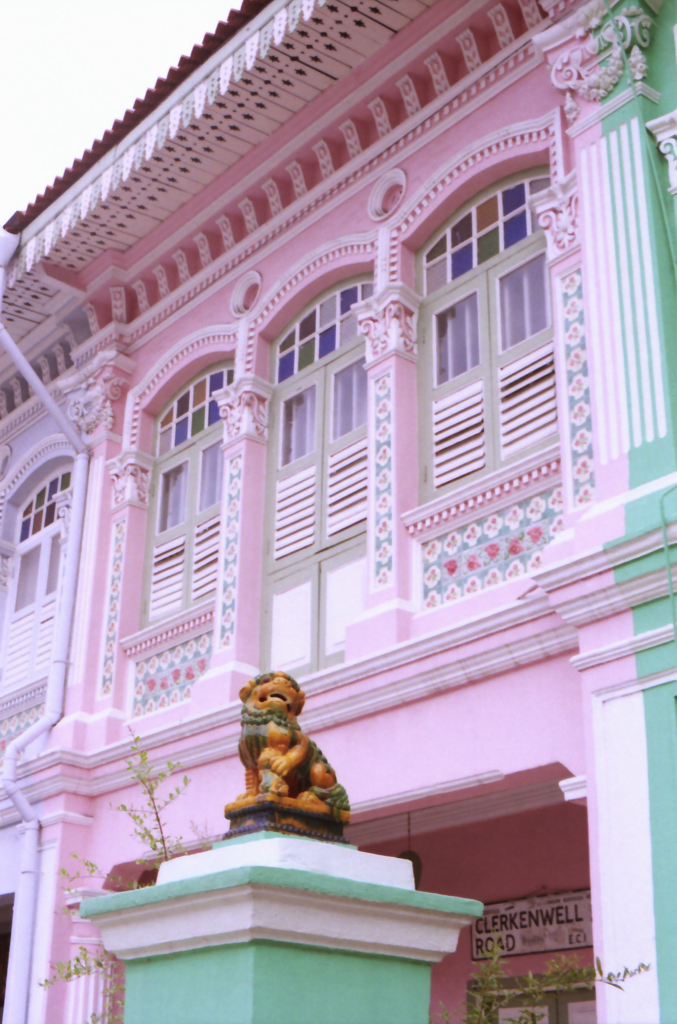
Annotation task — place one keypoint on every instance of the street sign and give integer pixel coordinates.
(539, 924)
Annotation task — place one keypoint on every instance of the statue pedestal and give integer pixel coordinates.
(270, 929)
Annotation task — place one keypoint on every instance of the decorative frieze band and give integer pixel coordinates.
(243, 407)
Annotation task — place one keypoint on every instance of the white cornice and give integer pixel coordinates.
(192, 621)
(624, 648)
(605, 109)
(545, 643)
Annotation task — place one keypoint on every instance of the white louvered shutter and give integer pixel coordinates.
(19, 648)
(295, 512)
(527, 400)
(459, 446)
(43, 645)
(205, 559)
(347, 487)
(166, 591)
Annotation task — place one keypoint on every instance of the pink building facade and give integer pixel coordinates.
(361, 321)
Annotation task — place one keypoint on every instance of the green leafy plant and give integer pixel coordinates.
(492, 988)
(150, 828)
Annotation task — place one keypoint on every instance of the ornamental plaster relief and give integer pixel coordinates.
(243, 407)
(593, 62)
(90, 406)
(557, 211)
(664, 130)
(130, 476)
(388, 322)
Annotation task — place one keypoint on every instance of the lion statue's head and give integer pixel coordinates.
(273, 691)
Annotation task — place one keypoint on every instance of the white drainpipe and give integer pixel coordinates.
(23, 919)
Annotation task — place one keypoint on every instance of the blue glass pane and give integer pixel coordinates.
(285, 367)
(213, 414)
(215, 382)
(181, 431)
(348, 297)
(53, 488)
(327, 341)
(515, 229)
(461, 261)
(513, 198)
(25, 528)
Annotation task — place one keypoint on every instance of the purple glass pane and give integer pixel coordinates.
(515, 229)
(327, 341)
(215, 382)
(25, 529)
(53, 488)
(461, 261)
(285, 367)
(513, 198)
(181, 431)
(348, 298)
(213, 413)
(182, 404)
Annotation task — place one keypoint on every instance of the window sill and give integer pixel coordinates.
(466, 501)
(193, 620)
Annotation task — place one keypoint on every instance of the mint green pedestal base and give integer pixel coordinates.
(275, 983)
(277, 930)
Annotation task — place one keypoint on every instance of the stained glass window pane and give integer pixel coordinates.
(199, 392)
(513, 198)
(50, 512)
(215, 382)
(181, 431)
(307, 326)
(183, 404)
(462, 231)
(25, 529)
(167, 418)
(349, 329)
(37, 522)
(461, 261)
(288, 342)
(327, 311)
(307, 354)
(53, 488)
(198, 421)
(439, 247)
(40, 500)
(285, 367)
(328, 341)
(348, 299)
(487, 213)
(487, 245)
(213, 413)
(65, 481)
(515, 229)
(436, 276)
(165, 441)
(367, 290)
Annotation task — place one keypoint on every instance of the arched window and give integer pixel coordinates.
(486, 363)
(185, 509)
(34, 591)
(317, 475)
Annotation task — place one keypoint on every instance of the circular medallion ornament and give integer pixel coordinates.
(387, 194)
(245, 293)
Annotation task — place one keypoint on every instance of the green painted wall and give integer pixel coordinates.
(276, 983)
(660, 710)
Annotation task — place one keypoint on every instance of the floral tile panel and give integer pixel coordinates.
(578, 390)
(14, 725)
(167, 679)
(498, 547)
(383, 533)
(113, 615)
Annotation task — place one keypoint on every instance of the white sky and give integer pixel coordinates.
(69, 68)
